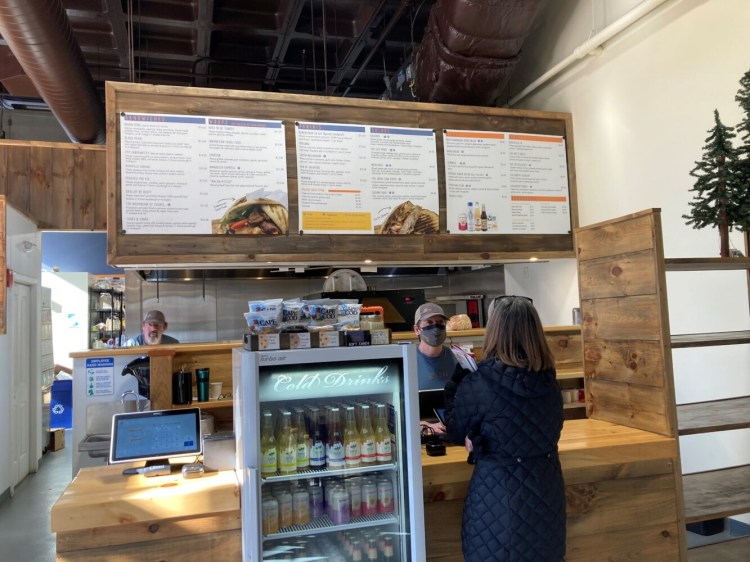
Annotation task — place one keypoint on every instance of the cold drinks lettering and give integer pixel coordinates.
(287, 383)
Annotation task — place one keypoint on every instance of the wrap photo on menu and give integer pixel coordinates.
(254, 216)
(408, 218)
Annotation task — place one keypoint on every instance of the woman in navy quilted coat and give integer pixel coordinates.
(509, 413)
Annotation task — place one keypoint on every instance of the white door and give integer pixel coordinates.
(20, 375)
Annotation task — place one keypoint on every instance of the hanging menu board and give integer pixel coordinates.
(506, 183)
(361, 179)
(202, 175)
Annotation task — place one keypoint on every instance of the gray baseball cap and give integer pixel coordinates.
(428, 310)
(154, 316)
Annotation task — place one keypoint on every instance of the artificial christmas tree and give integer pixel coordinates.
(717, 201)
(742, 165)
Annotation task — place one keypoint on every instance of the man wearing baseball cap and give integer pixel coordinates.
(152, 331)
(435, 362)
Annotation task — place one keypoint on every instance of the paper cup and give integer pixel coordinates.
(214, 390)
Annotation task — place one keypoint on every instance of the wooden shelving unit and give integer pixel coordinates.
(710, 339)
(715, 415)
(734, 550)
(716, 493)
(724, 492)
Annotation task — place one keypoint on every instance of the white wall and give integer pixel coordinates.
(27, 268)
(641, 111)
(70, 313)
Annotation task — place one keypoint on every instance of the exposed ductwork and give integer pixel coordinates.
(470, 49)
(40, 36)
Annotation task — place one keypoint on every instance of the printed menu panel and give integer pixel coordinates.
(361, 179)
(506, 183)
(202, 175)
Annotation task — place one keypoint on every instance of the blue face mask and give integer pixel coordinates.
(433, 335)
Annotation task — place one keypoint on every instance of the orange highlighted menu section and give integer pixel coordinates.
(537, 138)
(336, 221)
(474, 135)
(538, 198)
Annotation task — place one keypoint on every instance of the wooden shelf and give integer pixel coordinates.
(573, 405)
(210, 405)
(716, 493)
(717, 415)
(681, 341)
(733, 550)
(706, 264)
(565, 374)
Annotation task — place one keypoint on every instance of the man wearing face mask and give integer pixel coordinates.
(435, 362)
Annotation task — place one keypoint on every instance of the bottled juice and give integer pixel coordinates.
(383, 451)
(287, 445)
(335, 457)
(367, 436)
(477, 217)
(303, 440)
(483, 219)
(317, 443)
(284, 498)
(300, 506)
(268, 451)
(270, 515)
(351, 439)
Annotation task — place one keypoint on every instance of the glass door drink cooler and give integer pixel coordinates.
(328, 454)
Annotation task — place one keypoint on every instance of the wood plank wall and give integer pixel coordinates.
(625, 326)
(61, 186)
(296, 248)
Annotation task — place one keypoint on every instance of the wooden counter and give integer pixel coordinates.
(103, 515)
(619, 491)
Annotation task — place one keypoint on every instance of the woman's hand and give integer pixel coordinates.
(468, 444)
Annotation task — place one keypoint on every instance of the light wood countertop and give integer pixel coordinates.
(104, 497)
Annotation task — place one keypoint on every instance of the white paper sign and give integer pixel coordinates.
(506, 183)
(202, 175)
(362, 179)
(100, 376)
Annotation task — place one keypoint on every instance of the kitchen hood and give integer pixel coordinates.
(316, 272)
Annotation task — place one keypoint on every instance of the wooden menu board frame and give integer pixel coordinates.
(145, 250)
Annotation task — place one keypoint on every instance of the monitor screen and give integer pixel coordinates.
(157, 434)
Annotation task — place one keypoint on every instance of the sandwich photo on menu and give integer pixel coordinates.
(254, 216)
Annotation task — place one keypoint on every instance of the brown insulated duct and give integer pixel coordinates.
(470, 49)
(39, 34)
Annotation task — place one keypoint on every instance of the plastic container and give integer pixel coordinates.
(61, 404)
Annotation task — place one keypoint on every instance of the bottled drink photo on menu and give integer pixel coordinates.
(328, 441)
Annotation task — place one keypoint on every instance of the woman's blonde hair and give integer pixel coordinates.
(514, 335)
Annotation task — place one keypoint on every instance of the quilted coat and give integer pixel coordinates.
(515, 506)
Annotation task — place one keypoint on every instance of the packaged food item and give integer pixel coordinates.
(295, 316)
(265, 316)
(348, 316)
(322, 315)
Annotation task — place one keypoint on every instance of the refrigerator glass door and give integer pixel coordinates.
(336, 433)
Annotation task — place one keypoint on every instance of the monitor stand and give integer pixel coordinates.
(153, 467)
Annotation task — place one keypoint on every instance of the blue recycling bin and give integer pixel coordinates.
(61, 404)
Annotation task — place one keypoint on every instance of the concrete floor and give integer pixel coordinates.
(25, 534)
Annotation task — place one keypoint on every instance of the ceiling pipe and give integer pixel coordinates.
(40, 36)
(405, 4)
(590, 46)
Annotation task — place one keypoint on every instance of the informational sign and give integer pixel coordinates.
(362, 179)
(100, 376)
(202, 175)
(506, 183)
